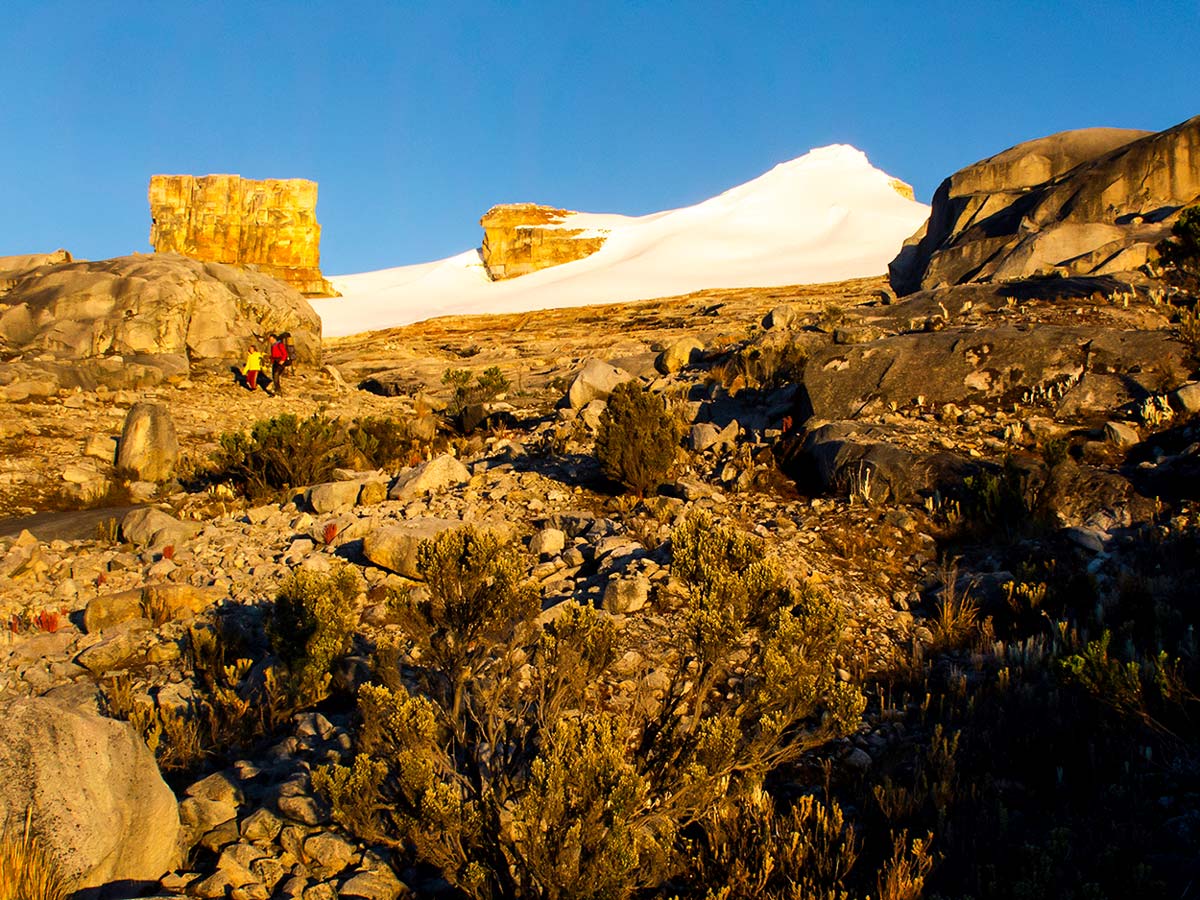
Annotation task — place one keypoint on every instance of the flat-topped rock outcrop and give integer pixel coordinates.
(270, 225)
(1088, 202)
(519, 238)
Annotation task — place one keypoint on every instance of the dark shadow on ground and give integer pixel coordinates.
(69, 525)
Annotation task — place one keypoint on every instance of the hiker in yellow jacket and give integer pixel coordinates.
(254, 361)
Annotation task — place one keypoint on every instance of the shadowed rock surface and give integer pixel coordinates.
(1087, 202)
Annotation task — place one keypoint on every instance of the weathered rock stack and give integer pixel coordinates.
(1087, 202)
(270, 225)
(519, 238)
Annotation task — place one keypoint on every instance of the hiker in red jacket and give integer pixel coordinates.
(281, 358)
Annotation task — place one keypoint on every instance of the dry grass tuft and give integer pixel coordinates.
(27, 870)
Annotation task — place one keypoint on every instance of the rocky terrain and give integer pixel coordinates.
(995, 482)
(862, 517)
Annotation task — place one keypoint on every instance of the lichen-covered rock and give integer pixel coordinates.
(334, 496)
(151, 527)
(149, 446)
(108, 610)
(395, 547)
(98, 800)
(437, 474)
(519, 238)
(989, 365)
(682, 352)
(269, 224)
(626, 595)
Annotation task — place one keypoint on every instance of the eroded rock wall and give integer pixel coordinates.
(270, 225)
(519, 238)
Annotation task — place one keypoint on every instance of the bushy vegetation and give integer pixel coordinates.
(471, 390)
(288, 451)
(760, 366)
(489, 750)
(638, 438)
(246, 690)
(311, 627)
(1179, 254)
(1059, 730)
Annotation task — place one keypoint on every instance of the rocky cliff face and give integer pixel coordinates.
(1086, 202)
(270, 225)
(519, 238)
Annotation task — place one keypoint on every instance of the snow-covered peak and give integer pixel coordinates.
(825, 216)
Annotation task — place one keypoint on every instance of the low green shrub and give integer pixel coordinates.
(471, 390)
(288, 451)
(282, 452)
(753, 849)
(489, 751)
(1009, 502)
(311, 627)
(761, 366)
(382, 443)
(242, 694)
(1179, 254)
(638, 438)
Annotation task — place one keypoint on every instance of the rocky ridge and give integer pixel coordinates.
(135, 321)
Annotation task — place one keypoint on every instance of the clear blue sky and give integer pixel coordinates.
(415, 117)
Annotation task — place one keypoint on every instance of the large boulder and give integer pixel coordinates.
(865, 462)
(149, 446)
(1087, 202)
(151, 305)
(679, 354)
(269, 224)
(334, 496)
(150, 527)
(394, 547)
(97, 798)
(595, 381)
(438, 474)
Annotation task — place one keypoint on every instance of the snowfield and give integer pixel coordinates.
(827, 216)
